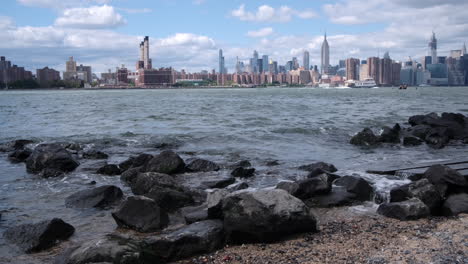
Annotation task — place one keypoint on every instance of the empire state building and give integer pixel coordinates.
(325, 56)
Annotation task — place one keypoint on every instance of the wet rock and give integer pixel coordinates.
(310, 187)
(437, 138)
(365, 138)
(197, 238)
(51, 173)
(422, 119)
(19, 155)
(129, 176)
(218, 184)
(167, 162)
(241, 172)
(134, 162)
(243, 164)
(197, 165)
(265, 215)
(94, 154)
(99, 197)
(163, 189)
(237, 187)
(194, 214)
(456, 204)
(391, 135)
(289, 186)
(406, 210)
(272, 163)
(142, 214)
(52, 156)
(318, 168)
(109, 170)
(361, 188)
(40, 236)
(419, 131)
(412, 141)
(115, 249)
(21, 143)
(423, 190)
(214, 203)
(446, 179)
(338, 197)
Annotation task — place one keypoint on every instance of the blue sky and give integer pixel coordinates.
(187, 33)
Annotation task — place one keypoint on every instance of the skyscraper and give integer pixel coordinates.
(305, 62)
(265, 63)
(352, 69)
(433, 47)
(325, 55)
(464, 49)
(254, 62)
(373, 69)
(221, 62)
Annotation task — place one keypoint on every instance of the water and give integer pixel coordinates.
(295, 126)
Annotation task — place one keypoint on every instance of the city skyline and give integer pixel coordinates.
(103, 33)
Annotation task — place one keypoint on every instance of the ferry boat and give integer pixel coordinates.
(366, 83)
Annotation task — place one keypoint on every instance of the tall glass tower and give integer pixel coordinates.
(325, 56)
(433, 47)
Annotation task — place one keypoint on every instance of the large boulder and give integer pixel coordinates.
(136, 161)
(94, 154)
(361, 188)
(197, 165)
(311, 187)
(446, 179)
(423, 190)
(339, 196)
(406, 210)
(456, 204)
(163, 189)
(412, 141)
(40, 236)
(419, 131)
(214, 202)
(99, 197)
(241, 172)
(391, 135)
(265, 215)
(365, 138)
(437, 137)
(422, 119)
(197, 238)
(194, 214)
(109, 170)
(52, 156)
(130, 175)
(219, 183)
(317, 168)
(142, 214)
(289, 186)
(167, 162)
(19, 155)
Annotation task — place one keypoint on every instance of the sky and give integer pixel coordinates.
(187, 34)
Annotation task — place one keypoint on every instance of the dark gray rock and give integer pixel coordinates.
(407, 210)
(456, 204)
(318, 168)
(94, 154)
(446, 179)
(237, 187)
(365, 138)
(419, 131)
(40, 236)
(166, 162)
(197, 165)
(51, 173)
(197, 238)
(109, 170)
(338, 197)
(310, 187)
(242, 172)
(134, 162)
(289, 186)
(19, 155)
(194, 214)
(265, 215)
(52, 156)
(243, 163)
(142, 214)
(272, 163)
(391, 135)
(218, 184)
(361, 188)
(214, 203)
(99, 197)
(422, 119)
(423, 190)
(437, 137)
(412, 141)
(129, 176)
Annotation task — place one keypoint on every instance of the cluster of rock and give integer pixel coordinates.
(440, 191)
(436, 131)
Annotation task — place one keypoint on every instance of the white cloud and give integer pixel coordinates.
(6, 22)
(260, 33)
(59, 4)
(92, 17)
(266, 13)
(136, 10)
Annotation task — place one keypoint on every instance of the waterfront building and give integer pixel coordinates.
(342, 64)
(396, 73)
(407, 76)
(70, 69)
(433, 48)
(455, 71)
(374, 69)
(221, 62)
(364, 71)
(254, 62)
(109, 78)
(306, 60)
(46, 76)
(325, 56)
(11, 73)
(385, 71)
(352, 69)
(439, 74)
(122, 75)
(84, 73)
(265, 64)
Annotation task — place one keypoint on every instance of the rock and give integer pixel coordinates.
(422, 119)
(406, 210)
(243, 164)
(318, 168)
(114, 249)
(40, 236)
(142, 214)
(391, 135)
(167, 162)
(19, 155)
(129, 176)
(214, 203)
(272, 163)
(109, 169)
(197, 238)
(338, 197)
(419, 131)
(134, 162)
(51, 173)
(265, 215)
(99, 197)
(21, 143)
(163, 189)
(197, 165)
(94, 154)
(51, 156)
(437, 137)
(456, 204)
(446, 179)
(310, 187)
(423, 190)
(412, 141)
(242, 172)
(218, 184)
(194, 214)
(361, 188)
(289, 186)
(365, 138)
(237, 187)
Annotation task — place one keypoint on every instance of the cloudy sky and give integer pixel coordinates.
(187, 34)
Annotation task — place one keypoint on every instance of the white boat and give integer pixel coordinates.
(366, 83)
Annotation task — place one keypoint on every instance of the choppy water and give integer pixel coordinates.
(295, 126)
